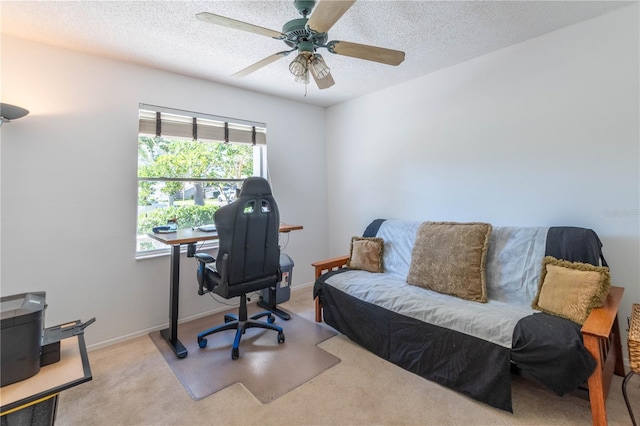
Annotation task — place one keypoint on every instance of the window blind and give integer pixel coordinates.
(169, 122)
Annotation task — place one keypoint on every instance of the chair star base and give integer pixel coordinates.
(241, 323)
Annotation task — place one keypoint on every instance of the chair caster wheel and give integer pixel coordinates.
(271, 319)
(202, 342)
(235, 353)
(280, 337)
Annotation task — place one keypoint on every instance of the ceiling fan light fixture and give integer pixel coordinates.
(298, 67)
(320, 68)
(304, 78)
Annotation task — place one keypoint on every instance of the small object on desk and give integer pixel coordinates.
(53, 335)
(171, 226)
(165, 229)
(206, 228)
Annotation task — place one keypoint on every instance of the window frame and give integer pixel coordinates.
(223, 130)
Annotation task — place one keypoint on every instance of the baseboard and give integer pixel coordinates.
(146, 331)
(301, 286)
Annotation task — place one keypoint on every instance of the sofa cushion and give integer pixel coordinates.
(399, 237)
(449, 258)
(514, 261)
(571, 289)
(366, 254)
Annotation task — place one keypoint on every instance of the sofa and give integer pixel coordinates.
(467, 305)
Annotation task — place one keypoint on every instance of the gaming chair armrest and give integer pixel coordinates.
(204, 258)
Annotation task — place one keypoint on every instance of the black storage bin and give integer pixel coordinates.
(22, 328)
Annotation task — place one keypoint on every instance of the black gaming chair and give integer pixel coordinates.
(248, 258)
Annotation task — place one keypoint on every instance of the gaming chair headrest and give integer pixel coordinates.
(255, 185)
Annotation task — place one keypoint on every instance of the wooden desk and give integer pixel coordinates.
(72, 369)
(175, 240)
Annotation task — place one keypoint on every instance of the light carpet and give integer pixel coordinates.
(267, 369)
(134, 386)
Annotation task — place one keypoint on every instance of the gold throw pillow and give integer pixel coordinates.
(366, 254)
(571, 289)
(449, 258)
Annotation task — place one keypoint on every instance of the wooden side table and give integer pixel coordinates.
(36, 398)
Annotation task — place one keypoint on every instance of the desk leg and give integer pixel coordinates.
(171, 334)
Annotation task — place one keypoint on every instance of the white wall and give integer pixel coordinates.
(543, 133)
(69, 184)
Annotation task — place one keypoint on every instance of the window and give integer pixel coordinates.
(190, 164)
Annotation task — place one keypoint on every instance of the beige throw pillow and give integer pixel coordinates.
(366, 254)
(571, 289)
(449, 258)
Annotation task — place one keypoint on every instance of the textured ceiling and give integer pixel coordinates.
(166, 35)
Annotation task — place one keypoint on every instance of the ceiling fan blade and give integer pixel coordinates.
(238, 25)
(369, 53)
(266, 61)
(323, 83)
(327, 13)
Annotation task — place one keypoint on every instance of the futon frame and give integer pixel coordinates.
(600, 334)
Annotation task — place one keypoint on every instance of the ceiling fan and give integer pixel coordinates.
(307, 35)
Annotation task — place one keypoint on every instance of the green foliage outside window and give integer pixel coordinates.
(186, 159)
(176, 158)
